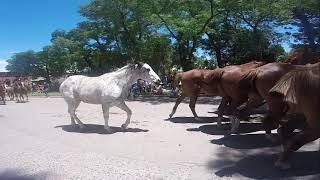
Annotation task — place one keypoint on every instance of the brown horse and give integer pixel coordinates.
(3, 93)
(297, 92)
(191, 84)
(10, 92)
(21, 89)
(260, 80)
(219, 82)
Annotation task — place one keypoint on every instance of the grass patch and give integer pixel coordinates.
(37, 94)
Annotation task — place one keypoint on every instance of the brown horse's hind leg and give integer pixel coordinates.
(270, 122)
(234, 117)
(304, 137)
(178, 101)
(192, 105)
(221, 109)
(253, 102)
(17, 98)
(22, 98)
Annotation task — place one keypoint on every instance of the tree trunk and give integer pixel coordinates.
(47, 74)
(307, 27)
(218, 53)
(257, 44)
(185, 56)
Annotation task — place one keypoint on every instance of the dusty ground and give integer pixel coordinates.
(38, 143)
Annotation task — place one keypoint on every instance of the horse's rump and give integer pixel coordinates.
(297, 83)
(214, 75)
(247, 81)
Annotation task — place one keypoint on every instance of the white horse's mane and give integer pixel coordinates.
(127, 68)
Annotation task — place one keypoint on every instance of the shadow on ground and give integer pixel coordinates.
(261, 167)
(213, 129)
(166, 99)
(246, 141)
(13, 174)
(183, 120)
(98, 129)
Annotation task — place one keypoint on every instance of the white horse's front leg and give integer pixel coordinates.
(124, 107)
(105, 109)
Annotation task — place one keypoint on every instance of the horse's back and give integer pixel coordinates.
(87, 89)
(67, 86)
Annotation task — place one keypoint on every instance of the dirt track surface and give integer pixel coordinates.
(36, 142)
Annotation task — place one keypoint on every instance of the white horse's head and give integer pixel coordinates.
(144, 71)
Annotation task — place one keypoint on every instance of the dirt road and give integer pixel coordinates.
(36, 142)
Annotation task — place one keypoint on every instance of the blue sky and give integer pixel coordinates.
(28, 24)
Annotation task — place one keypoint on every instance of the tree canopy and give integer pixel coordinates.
(166, 33)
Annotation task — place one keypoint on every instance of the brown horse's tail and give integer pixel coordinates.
(177, 79)
(248, 81)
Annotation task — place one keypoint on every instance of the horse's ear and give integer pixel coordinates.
(138, 65)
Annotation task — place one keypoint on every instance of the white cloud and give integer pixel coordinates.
(3, 64)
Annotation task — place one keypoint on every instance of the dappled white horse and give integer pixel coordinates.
(110, 89)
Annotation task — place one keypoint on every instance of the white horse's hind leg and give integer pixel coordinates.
(72, 106)
(105, 109)
(73, 123)
(124, 107)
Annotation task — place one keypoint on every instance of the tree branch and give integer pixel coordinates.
(163, 21)
(167, 26)
(122, 15)
(208, 20)
(246, 21)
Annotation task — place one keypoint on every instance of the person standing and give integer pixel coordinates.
(46, 88)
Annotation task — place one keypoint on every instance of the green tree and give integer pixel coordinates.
(24, 63)
(307, 19)
(260, 18)
(185, 21)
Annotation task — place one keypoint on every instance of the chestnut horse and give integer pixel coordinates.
(260, 80)
(297, 92)
(222, 82)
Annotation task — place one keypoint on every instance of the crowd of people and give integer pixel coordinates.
(166, 87)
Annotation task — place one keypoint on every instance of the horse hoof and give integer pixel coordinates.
(282, 165)
(228, 133)
(108, 130)
(124, 126)
(272, 138)
(170, 116)
(82, 127)
(234, 131)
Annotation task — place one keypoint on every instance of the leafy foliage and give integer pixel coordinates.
(167, 33)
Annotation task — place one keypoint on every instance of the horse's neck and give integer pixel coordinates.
(125, 78)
